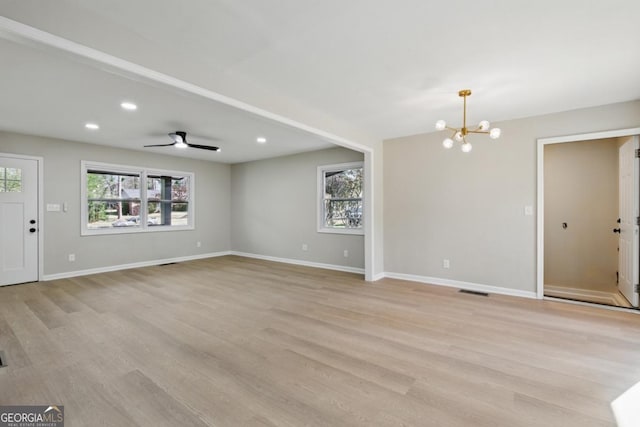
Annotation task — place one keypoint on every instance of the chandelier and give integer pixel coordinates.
(460, 135)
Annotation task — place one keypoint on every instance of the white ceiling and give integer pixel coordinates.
(385, 68)
(48, 94)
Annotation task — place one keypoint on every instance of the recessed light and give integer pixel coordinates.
(261, 140)
(129, 106)
(92, 126)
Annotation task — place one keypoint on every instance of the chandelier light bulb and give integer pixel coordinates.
(447, 143)
(441, 125)
(458, 136)
(484, 125)
(495, 133)
(466, 147)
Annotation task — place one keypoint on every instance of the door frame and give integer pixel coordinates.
(540, 188)
(40, 162)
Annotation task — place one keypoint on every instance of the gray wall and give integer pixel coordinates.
(469, 207)
(62, 184)
(581, 189)
(273, 209)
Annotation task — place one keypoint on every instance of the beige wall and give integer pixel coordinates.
(62, 184)
(469, 208)
(274, 208)
(581, 190)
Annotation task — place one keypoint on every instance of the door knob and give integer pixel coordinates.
(616, 230)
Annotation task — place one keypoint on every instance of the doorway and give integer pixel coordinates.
(588, 208)
(19, 219)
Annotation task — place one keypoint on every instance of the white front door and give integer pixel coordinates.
(628, 256)
(18, 220)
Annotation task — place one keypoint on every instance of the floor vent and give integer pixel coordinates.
(467, 291)
(168, 263)
(3, 360)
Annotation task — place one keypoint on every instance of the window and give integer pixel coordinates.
(340, 189)
(10, 180)
(124, 199)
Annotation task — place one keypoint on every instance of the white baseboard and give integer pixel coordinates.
(462, 285)
(301, 262)
(378, 276)
(77, 273)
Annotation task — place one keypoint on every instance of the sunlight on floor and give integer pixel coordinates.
(626, 408)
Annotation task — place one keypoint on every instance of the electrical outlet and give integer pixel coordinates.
(198, 244)
(305, 247)
(72, 257)
(445, 263)
(346, 253)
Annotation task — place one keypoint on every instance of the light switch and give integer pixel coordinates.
(53, 207)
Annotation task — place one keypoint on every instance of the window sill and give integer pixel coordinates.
(133, 230)
(353, 231)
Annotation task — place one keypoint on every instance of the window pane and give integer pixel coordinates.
(13, 174)
(180, 189)
(343, 198)
(344, 184)
(168, 213)
(14, 186)
(10, 180)
(112, 186)
(107, 214)
(343, 213)
(168, 198)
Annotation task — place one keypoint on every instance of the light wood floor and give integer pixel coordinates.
(238, 342)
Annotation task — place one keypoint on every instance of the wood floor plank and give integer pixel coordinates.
(232, 341)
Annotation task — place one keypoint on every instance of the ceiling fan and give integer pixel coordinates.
(180, 141)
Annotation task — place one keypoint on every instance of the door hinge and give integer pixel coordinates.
(638, 220)
(638, 289)
(637, 153)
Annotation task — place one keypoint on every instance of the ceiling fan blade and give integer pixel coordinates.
(160, 145)
(203, 147)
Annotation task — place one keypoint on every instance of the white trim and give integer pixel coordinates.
(41, 230)
(587, 295)
(540, 189)
(143, 173)
(301, 262)
(98, 270)
(590, 136)
(322, 228)
(19, 32)
(369, 239)
(460, 284)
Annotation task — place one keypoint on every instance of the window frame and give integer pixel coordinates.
(320, 209)
(142, 172)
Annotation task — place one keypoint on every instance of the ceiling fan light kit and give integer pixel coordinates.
(460, 134)
(179, 138)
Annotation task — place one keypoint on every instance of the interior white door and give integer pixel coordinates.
(628, 255)
(18, 220)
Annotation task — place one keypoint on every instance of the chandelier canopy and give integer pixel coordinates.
(460, 134)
